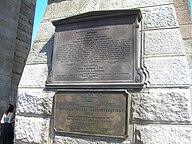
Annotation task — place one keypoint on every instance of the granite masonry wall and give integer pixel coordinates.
(161, 111)
(16, 23)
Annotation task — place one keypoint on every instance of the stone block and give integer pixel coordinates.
(25, 29)
(188, 46)
(34, 76)
(159, 17)
(186, 31)
(23, 36)
(122, 4)
(31, 130)
(41, 53)
(16, 78)
(5, 97)
(23, 18)
(18, 67)
(24, 23)
(5, 87)
(6, 64)
(25, 10)
(19, 60)
(77, 140)
(189, 58)
(34, 102)
(162, 105)
(181, 4)
(22, 47)
(65, 9)
(29, 3)
(10, 8)
(163, 134)
(8, 22)
(8, 34)
(108, 4)
(163, 42)
(5, 78)
(45, 32)
(184, 17)
(20, 55)
(168, 71)
(6, 45)
(3, 104)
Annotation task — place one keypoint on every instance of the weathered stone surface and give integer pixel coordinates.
(163, 134)
(31, 130)
(70, 140)
(181, 4)
(163, 42)
(6, 63)
(186, 31)
(67, 8)
(117, 4)
(34, 76)
(162, 105)
(168, 71)
(184, 17)
(34, 101)
(41, 53)
(188, 46)
(45, 32)
(159, 17)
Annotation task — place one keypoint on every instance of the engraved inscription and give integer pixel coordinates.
(95, 54)
(101, 113)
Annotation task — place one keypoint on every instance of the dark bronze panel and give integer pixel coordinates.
(91, 113)
(95, 54)
(97, 49)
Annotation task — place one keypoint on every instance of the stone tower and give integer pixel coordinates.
(158, 113)
(15, 35)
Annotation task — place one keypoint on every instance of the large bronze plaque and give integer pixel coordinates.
(97, 49)
(91, 113)
(103, 53)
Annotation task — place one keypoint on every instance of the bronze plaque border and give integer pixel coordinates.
(137, 80)
(126, 126)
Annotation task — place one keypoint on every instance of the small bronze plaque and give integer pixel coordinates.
(91, 113)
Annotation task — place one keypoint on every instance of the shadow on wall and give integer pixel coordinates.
(138, 137)
(56, 1)
(46, 52)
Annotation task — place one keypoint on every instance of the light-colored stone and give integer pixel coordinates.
(34, 101)
(186, 31)
(162, 105)
(183, 17)
(65, 9)
(181, 4)
(168, 71)
(190, 61)
(163, 134)
(31, 130)
(188, 46)
(41, 53)
(108, 4)
(129, 4)
(163, 42)
(73, 140)
(34, 76)
(45, 33)
(159, 17)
